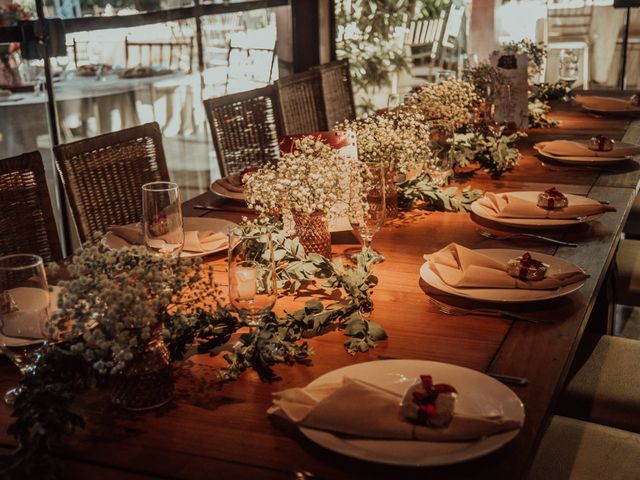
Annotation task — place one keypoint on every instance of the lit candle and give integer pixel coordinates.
(246, 280)
(32, 311)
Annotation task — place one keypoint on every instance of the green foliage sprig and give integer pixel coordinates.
(538, 111)
(495, 155)
(421, 189)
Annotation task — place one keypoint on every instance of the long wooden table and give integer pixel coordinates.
(225, 433)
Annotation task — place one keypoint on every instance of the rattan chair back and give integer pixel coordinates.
(339, 104)
(245, 128)
(103, 176)
(301, 103)
(26, 216)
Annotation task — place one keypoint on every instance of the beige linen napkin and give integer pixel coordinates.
(196, 242)
(231, 183)
(525, 205)
(357, 408)
(567, 148)
(605, 103)
(459, 266)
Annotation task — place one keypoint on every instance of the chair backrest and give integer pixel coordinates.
(337, 92)
(245, 128)
(301, 103)
(169, 55)
(103, 176)
(26, 216)
(80, 52)
(569, 23)
(249, 61)
(425, 36)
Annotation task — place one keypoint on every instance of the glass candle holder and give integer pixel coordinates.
(252, 274)
(440, 138)
(162, 218)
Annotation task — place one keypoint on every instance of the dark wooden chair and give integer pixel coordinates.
(301, 103)
(103, 176)
(245, 128)
(339, 104)
(26, 216)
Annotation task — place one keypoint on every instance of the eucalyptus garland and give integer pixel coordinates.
(431, 197)
(496, 155)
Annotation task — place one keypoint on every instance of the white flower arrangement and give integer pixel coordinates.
(449, 100)
(399, 138)
(313, 178)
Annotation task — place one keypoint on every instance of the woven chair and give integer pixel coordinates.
(337, 92)
(302, 103)
(245, 128)
(26, 217)
(103, 176)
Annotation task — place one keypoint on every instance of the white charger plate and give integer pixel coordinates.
(536, 223)
(579, 160)
(219, 190)
(507, 295)
(190, 223)
(478, 394)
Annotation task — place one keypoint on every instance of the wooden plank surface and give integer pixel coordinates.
(225, 433)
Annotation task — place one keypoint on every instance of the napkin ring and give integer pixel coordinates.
(601, 144)
(552, 198)
(527, 268)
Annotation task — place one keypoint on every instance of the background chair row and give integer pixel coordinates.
(246, 126)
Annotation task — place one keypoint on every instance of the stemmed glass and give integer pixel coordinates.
(162, 218)
(441, 138)
(367, 208)
(252, 274)
(24, 308)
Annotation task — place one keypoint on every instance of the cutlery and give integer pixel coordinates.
(489, 312)
(212, 208)
(493, 236)
(509, 379)
(577, 167)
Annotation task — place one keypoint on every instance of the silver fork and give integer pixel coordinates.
(493, 236)
(489, 312)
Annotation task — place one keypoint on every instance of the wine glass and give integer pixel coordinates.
(367, 206)
(252, 274)
(440, 139)
(24, 308)
(162, 218)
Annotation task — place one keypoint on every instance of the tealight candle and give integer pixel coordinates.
(246, 282)
(30, 313)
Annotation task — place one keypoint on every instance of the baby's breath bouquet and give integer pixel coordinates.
(449, 100)
(313, 178)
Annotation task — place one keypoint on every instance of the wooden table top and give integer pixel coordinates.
(225, 433)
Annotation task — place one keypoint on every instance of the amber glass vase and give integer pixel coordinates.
(147, 382)
(313, 232)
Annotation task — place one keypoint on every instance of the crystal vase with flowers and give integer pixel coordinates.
(311, 184)
(399, 139)
(112, 314)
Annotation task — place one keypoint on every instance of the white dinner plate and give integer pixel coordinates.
(218, 189)
(579, 160)
(478, 394)
(536, 223)
(507, 295)
(190, 223)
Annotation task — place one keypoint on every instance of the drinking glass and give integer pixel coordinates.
(252, 274)
(162, 218)
(568, 67)
(24, 308)
(394, 101)
(440, 139)
(367, 208)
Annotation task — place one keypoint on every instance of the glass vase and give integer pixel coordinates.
(313, 232)
(391, 193)
(147, 382)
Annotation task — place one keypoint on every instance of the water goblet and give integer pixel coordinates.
(367, 206)
(252, 274)
(440, 139)
(24, 309)
(162, 218)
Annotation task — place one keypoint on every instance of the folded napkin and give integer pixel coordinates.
(605, 103)
(569, 148)
(459, 266)
(5, 93)
(231, 183)
(360, 409)
(525, 205)
(196, 242)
